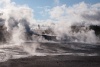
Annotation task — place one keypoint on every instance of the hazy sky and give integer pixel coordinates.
(39, 6)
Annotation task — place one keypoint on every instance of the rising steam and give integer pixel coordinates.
(81, 15)
(18, 21)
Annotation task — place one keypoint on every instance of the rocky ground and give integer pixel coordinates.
(53, 61)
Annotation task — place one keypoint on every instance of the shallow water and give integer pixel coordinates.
(27, 49)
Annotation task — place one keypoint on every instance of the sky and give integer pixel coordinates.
(40, 6)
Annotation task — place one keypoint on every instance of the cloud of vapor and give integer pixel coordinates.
(21, 18)
(57, 12)
(5, 2)
(17, 19)
(78, 14)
